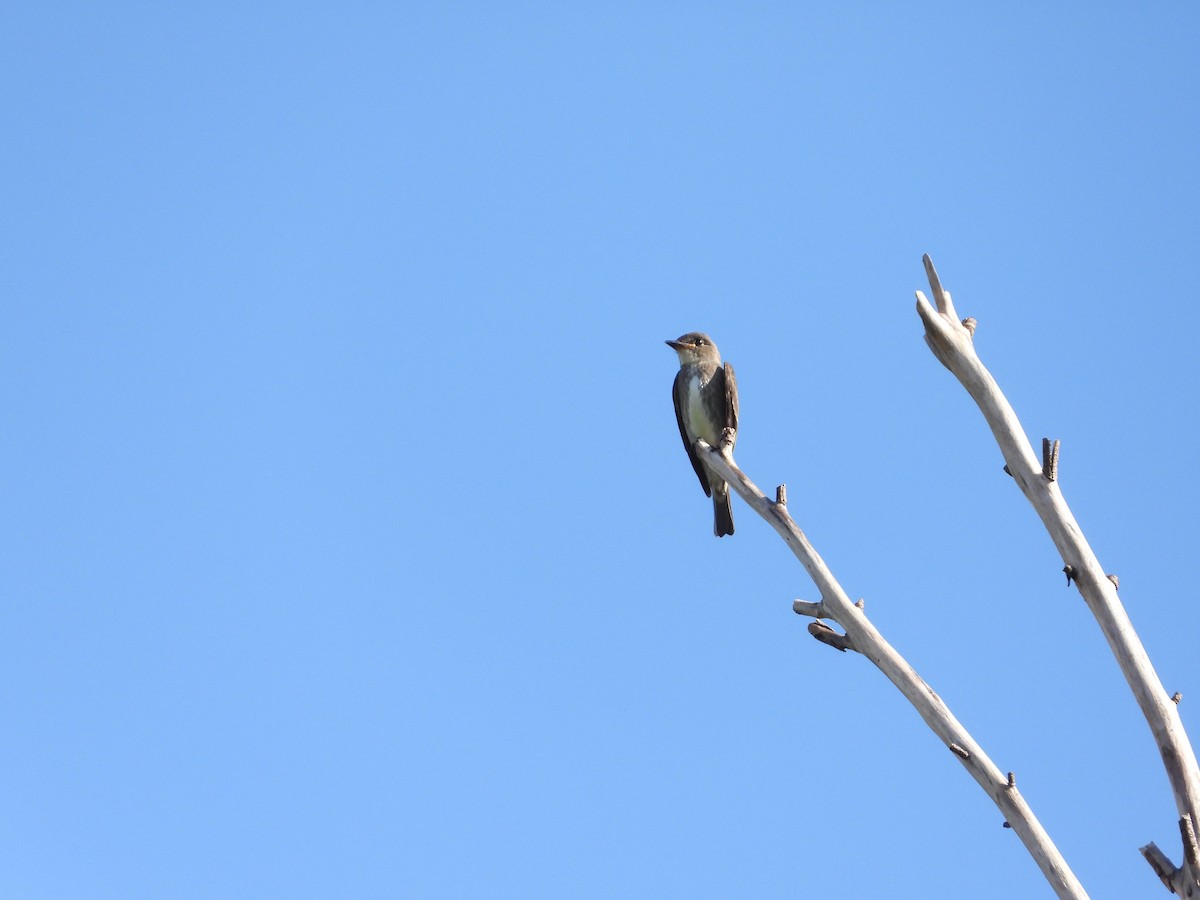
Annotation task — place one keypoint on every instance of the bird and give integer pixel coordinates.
(706, 404)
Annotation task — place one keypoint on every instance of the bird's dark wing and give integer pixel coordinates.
(677, 397)
(731, 399)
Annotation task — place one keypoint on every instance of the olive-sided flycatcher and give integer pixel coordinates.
(706, 403)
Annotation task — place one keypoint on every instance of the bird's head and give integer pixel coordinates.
(695, 347)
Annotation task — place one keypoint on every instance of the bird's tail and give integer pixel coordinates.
(722, 511)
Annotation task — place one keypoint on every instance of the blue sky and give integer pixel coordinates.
(349, 546)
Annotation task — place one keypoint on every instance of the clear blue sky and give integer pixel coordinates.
(349, 548)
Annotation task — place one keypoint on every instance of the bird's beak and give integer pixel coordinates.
(676, 345)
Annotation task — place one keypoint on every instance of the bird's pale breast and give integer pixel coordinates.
(699, 423)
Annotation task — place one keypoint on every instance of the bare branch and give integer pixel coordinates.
(1191, 852)
(827, 635)
(952, 345)
(863, 637)
(1050, 459)
(1166, 871)
(812, 610)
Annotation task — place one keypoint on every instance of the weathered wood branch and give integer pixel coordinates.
(862, 637)
(1175, 878)
(952, 343)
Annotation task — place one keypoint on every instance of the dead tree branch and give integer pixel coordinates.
(862, 637)
(952, 343)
